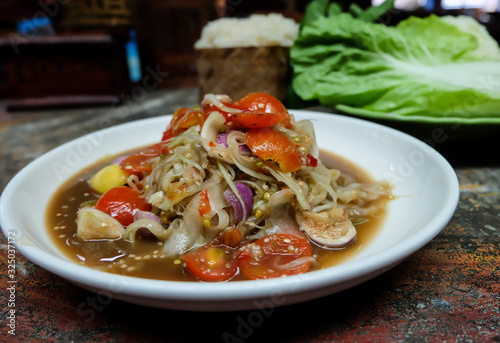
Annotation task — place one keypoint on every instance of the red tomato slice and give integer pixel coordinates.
(274, 148)
(140, 162)
(216, 261)
(168, 134)
(259, 110)
(121, 203)
(211, 263)
(268, 257)
(183, 119)
(262, 102)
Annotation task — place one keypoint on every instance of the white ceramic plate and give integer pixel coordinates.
(425, 182)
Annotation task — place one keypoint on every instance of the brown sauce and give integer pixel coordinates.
(365, 231)
(144, 259)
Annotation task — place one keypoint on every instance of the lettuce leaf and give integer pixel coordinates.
(430, 67)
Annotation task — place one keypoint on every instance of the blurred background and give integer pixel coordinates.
(61, 53)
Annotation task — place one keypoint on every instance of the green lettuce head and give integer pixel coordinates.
(436, 67)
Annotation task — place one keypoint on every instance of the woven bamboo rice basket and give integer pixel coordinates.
(240, 71)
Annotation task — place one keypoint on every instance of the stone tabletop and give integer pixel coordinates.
(447, 291)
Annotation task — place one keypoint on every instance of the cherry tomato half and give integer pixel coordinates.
(183, 119)
(121, 203)
(274, 148)
(268, 257)
(216, 261)
(210, 263)
(140, 162)
(259, 110)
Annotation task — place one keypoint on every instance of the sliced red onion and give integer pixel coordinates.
(222, 140)
(244, 149)
(246, 194)
(146, 215)
(247, 197)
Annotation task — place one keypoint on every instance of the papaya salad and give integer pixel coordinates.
(233, 190)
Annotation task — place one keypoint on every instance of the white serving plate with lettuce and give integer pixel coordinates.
(426, 186)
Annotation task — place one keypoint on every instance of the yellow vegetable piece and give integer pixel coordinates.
(109, 177)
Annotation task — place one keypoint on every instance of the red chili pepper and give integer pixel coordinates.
(311, 161)
(204, 207)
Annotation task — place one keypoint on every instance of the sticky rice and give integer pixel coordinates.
(255, 31)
